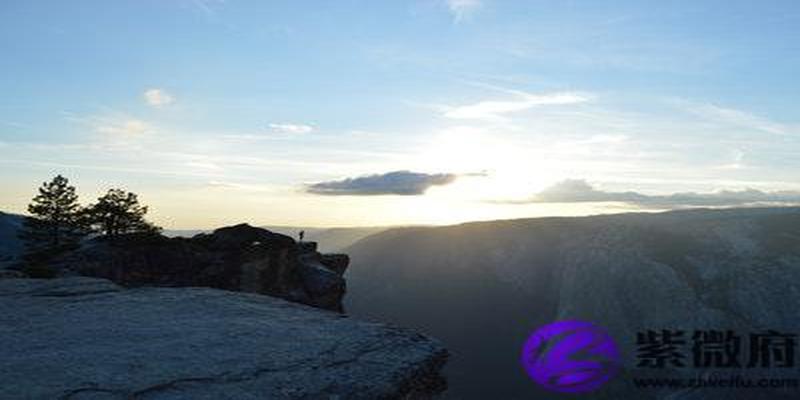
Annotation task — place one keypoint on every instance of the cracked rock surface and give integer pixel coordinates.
(87, 338)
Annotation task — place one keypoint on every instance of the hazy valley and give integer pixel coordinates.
(483, 287)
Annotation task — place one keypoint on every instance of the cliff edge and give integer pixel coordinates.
(88, 338)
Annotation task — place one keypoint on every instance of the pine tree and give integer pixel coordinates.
(119, 212)
(55, 223)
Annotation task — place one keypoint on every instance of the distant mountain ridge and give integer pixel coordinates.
(483, 287)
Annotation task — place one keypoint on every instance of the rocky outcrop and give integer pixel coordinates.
(87, 338)
(240, 258)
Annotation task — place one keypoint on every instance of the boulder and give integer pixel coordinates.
(87, 338)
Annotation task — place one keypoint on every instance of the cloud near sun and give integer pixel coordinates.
(579, 191)
(403, 183)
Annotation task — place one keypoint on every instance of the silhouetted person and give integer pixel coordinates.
(302, 235)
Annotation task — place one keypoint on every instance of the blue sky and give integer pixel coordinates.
(218, 112)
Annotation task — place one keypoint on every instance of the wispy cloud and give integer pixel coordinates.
(462, 9)
(737, 160)
(737, 118)
(247, 187)
(203, 165)
(404, 183)
(291, 128)
(115, 124)
(158, 97)
(14, 124)
(207, 7)
(579, 191)
(130, 126)
(495, 109)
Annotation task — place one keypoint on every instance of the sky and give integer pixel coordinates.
(367, 113)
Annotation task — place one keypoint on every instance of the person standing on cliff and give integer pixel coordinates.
(302, 235)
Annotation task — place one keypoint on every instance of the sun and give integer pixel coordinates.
(490, 167)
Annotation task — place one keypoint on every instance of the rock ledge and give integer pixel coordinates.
(87, 338)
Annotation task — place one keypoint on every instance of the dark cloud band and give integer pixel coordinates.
(579, 191)
(403, 183)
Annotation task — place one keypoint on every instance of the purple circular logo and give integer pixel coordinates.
(571, 357)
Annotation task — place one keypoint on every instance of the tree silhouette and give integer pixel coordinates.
(55, 223)
(119, 212)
